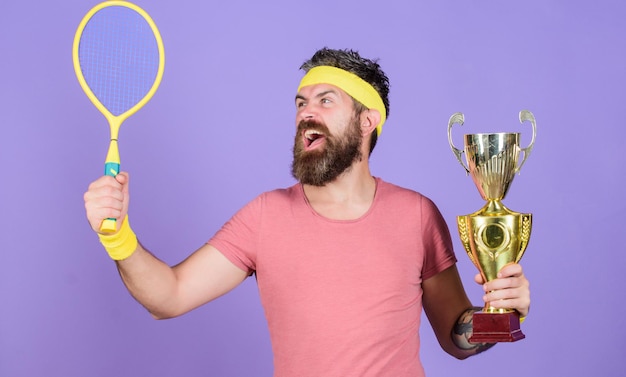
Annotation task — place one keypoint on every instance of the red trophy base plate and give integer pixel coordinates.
(496, 328)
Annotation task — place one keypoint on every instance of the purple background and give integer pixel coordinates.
(219, 131)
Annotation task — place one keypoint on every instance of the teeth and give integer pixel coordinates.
(311, 134)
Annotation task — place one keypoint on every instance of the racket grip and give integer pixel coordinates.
(111, 168)
(110, 225)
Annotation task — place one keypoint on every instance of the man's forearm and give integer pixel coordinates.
(150, 281)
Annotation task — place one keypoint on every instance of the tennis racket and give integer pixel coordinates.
(119, 60)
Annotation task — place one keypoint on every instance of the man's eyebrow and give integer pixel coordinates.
(318, 95)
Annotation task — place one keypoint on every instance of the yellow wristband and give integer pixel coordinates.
(122, 244)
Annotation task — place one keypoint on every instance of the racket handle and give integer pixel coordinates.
(110, 225)
(111, 168)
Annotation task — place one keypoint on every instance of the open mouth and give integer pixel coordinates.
(313, 138)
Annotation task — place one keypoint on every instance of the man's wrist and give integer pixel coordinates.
(122, 244)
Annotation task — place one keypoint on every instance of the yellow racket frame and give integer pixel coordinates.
(113, 157)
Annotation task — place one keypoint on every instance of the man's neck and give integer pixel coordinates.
(346, 198)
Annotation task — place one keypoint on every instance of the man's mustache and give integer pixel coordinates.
(313, 125)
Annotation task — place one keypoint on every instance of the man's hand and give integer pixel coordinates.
(509, 290)
(107, 197)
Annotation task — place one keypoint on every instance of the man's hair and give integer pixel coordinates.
(366, 69)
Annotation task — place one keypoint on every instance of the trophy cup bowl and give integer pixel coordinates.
(494, 236)
(492, 162)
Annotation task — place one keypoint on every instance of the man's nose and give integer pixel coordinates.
(307, 112)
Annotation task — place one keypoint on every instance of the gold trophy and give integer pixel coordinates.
(494, 236)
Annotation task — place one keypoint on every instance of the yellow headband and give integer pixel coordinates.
(350, 83)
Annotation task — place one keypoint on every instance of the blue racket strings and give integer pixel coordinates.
(119, 57)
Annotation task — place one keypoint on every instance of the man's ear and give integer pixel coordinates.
(369, 120)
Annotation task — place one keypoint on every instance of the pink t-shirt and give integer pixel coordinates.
(342, 298)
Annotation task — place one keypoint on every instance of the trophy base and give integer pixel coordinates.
(496, 328)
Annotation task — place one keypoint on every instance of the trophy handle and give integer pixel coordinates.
(526, 115)
(459, 119)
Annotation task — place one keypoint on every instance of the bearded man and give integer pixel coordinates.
(345, 261)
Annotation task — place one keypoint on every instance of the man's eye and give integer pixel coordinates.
(326, 100)
(300, 104)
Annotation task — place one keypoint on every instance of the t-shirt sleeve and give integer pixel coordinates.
(238, 237)
(438, 250)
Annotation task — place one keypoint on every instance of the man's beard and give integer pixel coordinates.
(319, 167)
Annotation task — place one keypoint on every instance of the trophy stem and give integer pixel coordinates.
(494, 207)
(490, 309)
